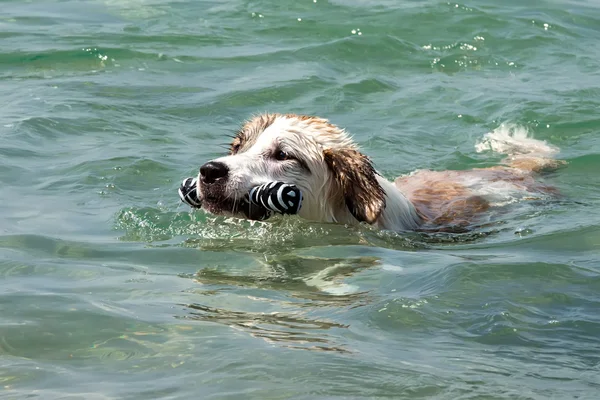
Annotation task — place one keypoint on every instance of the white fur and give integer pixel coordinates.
(399, 213)
(513, 140)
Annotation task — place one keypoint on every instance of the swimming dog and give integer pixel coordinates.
(341, 185)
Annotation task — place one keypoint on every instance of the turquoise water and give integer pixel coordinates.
(111, 289)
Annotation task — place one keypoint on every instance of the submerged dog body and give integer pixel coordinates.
(339, 184)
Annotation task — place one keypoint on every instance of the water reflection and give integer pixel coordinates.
(286, 329)
(300, 298)
(303, 277)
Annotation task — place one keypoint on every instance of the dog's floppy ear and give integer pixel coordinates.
(356, 178)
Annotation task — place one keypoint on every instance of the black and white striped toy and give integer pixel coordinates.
(263, 200)
(188, 193)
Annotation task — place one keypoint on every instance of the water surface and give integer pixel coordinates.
(112, 289)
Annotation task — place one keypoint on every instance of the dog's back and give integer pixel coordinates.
(456, 198)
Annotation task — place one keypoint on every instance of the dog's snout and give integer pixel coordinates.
(213, 170)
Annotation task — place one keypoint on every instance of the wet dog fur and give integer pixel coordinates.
(341, 185)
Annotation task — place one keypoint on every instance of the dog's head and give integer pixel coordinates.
(309, 152)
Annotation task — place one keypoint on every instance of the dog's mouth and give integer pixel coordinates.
(237, 207)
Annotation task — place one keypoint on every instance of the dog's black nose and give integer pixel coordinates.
(213, 170)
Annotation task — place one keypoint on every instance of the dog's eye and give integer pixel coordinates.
(281, 155)
(235, 148)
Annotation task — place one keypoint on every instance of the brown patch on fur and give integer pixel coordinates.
(462, 212)
(304, 117)
(357, 181)
(312, 120)
(447, 204)
(533, 163)
(251, 130)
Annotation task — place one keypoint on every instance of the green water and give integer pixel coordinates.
(111, 289)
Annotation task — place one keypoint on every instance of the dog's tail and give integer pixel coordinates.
(523, 151)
